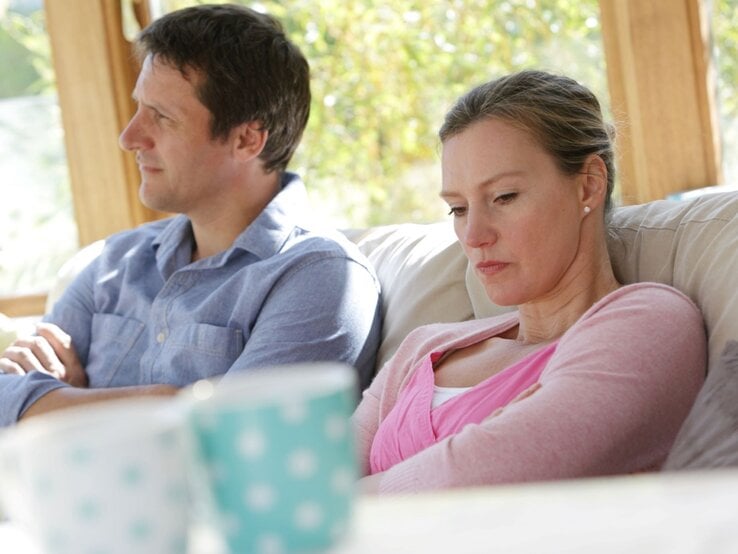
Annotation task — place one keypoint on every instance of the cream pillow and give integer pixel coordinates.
(709, 438)
(421, 269)
(71, 268)
(692, 245)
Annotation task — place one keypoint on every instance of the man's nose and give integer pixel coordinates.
(133, 137)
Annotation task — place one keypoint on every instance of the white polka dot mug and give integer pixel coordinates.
(276, 451)
(106, 478)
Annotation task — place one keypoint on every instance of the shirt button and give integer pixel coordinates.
(160, 337)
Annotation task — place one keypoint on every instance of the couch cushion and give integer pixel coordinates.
(421, 269)
(691, 245)
(709, 437)
(70, 269)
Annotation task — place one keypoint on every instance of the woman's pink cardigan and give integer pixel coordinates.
(610, 401)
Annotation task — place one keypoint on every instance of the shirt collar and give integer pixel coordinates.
(264, 237)
(273, 226)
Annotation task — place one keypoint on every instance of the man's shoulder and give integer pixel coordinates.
(323, 242)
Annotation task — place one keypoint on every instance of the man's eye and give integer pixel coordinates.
(457, 211)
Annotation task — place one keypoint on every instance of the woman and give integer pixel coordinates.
(588, 377)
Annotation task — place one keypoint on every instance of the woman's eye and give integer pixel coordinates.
(506, 198)
(456, 211)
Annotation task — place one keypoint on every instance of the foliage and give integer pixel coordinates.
(26, 57)
(37, 231)
(384, 72)
(725, 41)
(725, 46)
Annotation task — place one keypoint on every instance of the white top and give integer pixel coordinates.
(442, 394)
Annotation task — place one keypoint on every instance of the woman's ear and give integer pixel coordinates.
(593, 187)
(249, 140)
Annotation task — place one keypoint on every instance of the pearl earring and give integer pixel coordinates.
(587, 209)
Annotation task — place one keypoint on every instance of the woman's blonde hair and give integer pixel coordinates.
(563, 115)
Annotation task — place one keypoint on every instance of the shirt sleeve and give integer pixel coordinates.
(611, 400)
(326, 309)
(73, 313)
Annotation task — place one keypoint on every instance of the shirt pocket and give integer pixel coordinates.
(113, 338)
(200, 350)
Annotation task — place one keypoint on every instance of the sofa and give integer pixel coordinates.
(689, 244)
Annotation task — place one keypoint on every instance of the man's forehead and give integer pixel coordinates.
(188, 72)
(162, 85)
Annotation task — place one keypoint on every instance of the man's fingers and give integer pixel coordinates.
(71, 370)
(9, 367)
(22, 355)
(35, 353)
(60, 341)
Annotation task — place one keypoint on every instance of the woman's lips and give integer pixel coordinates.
(491, 267)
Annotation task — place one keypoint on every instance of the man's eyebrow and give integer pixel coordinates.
(154, 106)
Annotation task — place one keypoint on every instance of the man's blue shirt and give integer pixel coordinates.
(141, 313)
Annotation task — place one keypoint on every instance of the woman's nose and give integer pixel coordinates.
(478, 230)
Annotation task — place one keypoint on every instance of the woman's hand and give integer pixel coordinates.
(370, 484)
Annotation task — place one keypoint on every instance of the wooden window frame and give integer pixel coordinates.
(662, 94)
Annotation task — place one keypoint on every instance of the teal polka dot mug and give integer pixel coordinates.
(107, 478)
(276, 456)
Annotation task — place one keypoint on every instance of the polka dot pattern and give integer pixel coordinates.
(108, 496)
(285, 473)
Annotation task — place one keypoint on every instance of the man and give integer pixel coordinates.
(236, 281)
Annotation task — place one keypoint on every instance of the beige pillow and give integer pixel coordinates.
(71, 268)
(421, 269)
(691, 245)
(709, 437)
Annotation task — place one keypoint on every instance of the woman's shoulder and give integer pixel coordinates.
(653, 312)
(656, 296)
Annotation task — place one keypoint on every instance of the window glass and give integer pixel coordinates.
(725, 48)
(37, 229)
(384, 73)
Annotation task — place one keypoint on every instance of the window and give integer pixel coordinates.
(37, 230)
(384, 74)
(725, 48)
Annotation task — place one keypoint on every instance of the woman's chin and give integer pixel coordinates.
(501, 298)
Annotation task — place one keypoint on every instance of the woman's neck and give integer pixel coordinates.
(546, 319)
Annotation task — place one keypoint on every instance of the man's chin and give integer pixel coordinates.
(152, 201)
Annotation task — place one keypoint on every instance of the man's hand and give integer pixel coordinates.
(50, 351)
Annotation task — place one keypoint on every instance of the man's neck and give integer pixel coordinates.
(216, 230)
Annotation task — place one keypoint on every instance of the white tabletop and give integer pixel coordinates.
(676, 513)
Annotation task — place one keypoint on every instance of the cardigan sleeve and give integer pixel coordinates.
(611, 400)
(365, 420)
(378, 399)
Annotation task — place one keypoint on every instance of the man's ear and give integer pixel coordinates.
(593, 183)
(249, 140)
